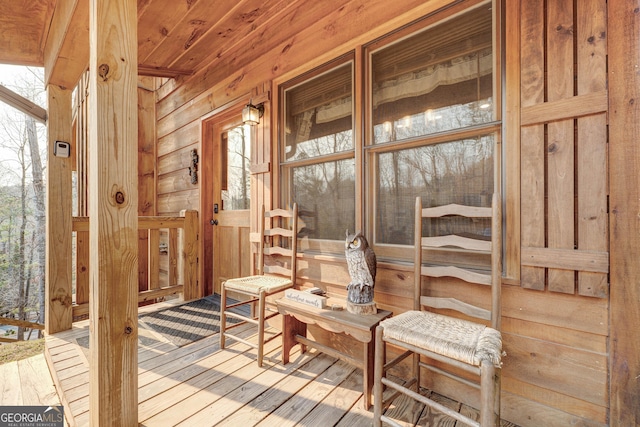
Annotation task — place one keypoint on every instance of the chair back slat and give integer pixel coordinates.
(278, 231)
(459, 273)
(458, 210)
(277, 250)
(457, 241)
(457, 305)
(276, 269)
(279, 213)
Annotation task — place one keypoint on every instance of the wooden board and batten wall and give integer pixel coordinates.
(556, 295)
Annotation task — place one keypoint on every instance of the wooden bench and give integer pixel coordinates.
(296, 316)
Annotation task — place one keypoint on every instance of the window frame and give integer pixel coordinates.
(284, 187)
(365, 152)
(372, 150)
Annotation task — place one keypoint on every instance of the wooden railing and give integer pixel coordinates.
(18, 323)
(167, 259)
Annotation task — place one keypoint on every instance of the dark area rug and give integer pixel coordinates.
(186, 323)
(182, 324)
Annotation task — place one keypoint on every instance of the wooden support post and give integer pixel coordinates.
(148, 277)
(624, 205)
(188, 256)
(113, 212)
(58, 311)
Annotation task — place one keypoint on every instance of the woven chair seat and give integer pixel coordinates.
(257, 284)
(458, 339)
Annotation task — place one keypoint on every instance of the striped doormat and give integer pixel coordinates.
(187, 323)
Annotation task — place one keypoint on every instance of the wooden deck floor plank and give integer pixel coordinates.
(232, 398)
(77, 369)
(145, 354)
(260, 407)
(183, 399)
(81, 420)
(54, 343)
(35, 390)
(357, 416)
(179, 352)
(202, 373)
(155, 369)
(10, 392)
(198, 375)
(80, 406)
(75, 381)
(79, 329)
(434, 418)
(77, 387)
(406, 411)
(68, 352)
(207, 388)
(338, 402)
(78, 392)
(296, 408)
(470, 412)
(68, 363)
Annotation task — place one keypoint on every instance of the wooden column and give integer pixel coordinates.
(146, 176)
(58, 312)
(113, 212)
(624, 206)
(188, 256)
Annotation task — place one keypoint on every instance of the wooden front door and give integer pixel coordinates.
(231, 201)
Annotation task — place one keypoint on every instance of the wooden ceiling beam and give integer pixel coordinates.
(146, 70)
(66, 53)
(23, 104)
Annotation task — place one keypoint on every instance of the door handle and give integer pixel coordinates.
(213, 222)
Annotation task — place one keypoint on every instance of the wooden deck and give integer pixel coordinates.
(200, 385)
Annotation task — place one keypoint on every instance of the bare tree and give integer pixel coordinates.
(24, 241)
(39, 212)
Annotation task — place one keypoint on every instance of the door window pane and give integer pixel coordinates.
(236, 190)
(434, 81)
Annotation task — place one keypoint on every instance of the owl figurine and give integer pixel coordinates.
(361, 261)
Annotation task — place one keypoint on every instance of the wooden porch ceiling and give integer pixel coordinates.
(174, 37)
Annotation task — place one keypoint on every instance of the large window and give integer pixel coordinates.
(431, 120)
(317, 154)
(432, 123)
(459, 171)
(437, 80)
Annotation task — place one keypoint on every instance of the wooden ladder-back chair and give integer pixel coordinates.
(470, 346)
(279, 240)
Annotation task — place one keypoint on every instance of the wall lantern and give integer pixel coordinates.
(251, 114)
